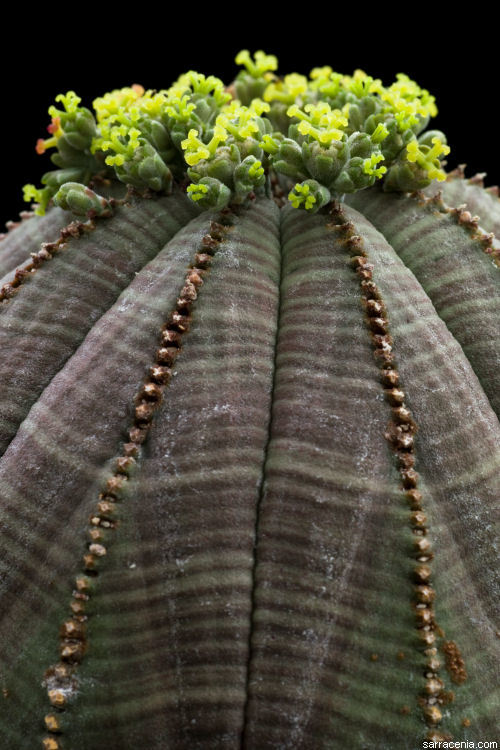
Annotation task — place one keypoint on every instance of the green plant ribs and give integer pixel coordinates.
(250, 475)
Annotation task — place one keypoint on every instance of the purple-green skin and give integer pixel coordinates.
(257, 591)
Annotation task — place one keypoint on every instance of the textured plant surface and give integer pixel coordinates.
(250, 446)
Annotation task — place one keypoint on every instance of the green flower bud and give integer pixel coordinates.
(396, 141)
(252, 82)
(81, 200)
(205, 108)
(404, 176)
(249, 147)
(278, 117)
(221, 167)
(309, 195)
(67, 156)
(80, 130)
(359, 174)
(249, 175)
(286, 157)
(145, 169)
(248, 88)
(361, 145)
(58, 177)
(158, 136)
(178, 134)
(153, 172)
(417, 165)
(361, 110)
(209, 193)
(324, 164)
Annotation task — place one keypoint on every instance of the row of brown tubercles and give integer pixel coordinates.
(464, 218)
(478, 179)
(400, 434)
(11, 225)
(61, 679)
(48, 249)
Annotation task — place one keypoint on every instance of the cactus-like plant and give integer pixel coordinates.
(250, 450)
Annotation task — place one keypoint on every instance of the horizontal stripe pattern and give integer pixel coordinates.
(41, 326)
(458, 460)
(168, 646)
(452, 268)
(51, 473)
(332, 601)
(183, 652)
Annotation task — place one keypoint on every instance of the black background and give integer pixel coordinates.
(91, 55)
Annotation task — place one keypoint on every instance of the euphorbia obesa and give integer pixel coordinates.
(250, 350)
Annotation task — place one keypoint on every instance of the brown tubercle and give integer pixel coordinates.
(406, 459)
(124, 464)
(394, 395)
(77, 607)
(50, 743)
(422, 573)
(425, 594)
(414, 498)
(390, 377)
(434, 686)
(160, 374)
(52, 723)
(57, 698)
(432, 714)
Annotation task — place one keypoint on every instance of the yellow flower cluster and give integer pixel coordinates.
(404, 99)
(196, 83)
(428, 158)
(116, 101)
(288, 90)
(196, 150)
(260, 65)
(123, 140)
(301, 194)
(370, 165)
(197, 127)
(235, 120)
(325, 81)
(196, 191)
(320, 121)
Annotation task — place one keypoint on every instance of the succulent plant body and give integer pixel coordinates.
(250, 445)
